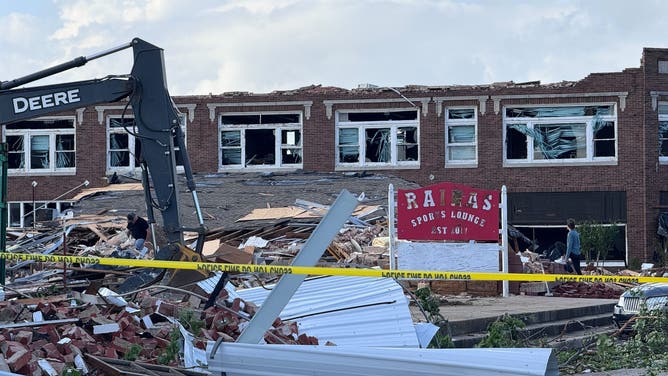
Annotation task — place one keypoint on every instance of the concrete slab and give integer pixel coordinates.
(469, 308)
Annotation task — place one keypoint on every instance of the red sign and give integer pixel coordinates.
(448, 211)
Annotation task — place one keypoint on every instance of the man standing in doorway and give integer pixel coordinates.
(138, 228)
(573, 246)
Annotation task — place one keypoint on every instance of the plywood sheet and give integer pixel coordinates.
(108, 188)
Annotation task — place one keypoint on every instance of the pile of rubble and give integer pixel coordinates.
(64, 332)
(45, 333)
(534, 263)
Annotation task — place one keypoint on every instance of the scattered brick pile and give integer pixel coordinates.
(588, 290)
(139, 331)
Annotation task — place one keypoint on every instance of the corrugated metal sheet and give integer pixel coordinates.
(350, 311)
(237, 359)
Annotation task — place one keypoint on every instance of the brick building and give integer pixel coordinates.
(595, 149)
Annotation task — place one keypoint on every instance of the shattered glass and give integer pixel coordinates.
(379, 145)
(65, 155)
(407, 144)
(465, 113)
(565, 111)
(663, 138)
(231, 147)
(561, 140)
(16, 154)
(119, 154)
(348, 145)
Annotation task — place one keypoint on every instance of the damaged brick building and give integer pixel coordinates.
(594, 150)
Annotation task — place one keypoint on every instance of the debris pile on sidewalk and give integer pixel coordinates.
(534, 263)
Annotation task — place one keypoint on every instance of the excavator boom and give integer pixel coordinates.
(156, 125)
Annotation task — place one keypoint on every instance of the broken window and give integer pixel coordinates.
(16, 153)
(21, 214)
(407, 144)
(460, 136)
(663, 132)
(230, 147)
(382, 137)
(263, 140)
(178, 156)
(291, 151)
(65, 150)
(575, 133)
(349, 147)
(124, 148)
(42, 145)
(260, 147)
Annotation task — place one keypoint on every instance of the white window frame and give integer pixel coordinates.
(27, 135)
(589, 135)
(132, 169)
(25, 211)
(277, 129)
(464, 123)
(662, 109)
(363, 126)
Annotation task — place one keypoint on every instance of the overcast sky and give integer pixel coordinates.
(265, 45)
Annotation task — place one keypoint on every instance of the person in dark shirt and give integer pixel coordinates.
(138, 229)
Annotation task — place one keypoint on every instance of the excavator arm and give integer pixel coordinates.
(156, 126)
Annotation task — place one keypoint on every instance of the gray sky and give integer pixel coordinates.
(265, 45)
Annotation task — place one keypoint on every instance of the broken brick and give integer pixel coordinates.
(31, 369)
(19, 360)
(37, 345)
(236, 305)
(121, 345)
(250, 308)
(51, 351)
(110, 353)
(168, 309)
(24, 337)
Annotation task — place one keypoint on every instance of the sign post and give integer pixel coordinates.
(390, 223)
(3, 207)
(504, 238)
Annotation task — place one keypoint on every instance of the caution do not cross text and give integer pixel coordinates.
(307, 270)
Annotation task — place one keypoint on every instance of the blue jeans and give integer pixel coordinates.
(139, 244)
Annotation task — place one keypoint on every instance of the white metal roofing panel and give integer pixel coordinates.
(351, 311)
(237, 359)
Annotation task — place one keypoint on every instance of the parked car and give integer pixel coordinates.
(653, 295)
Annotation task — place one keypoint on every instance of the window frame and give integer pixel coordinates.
(451, 163)
(277, 130)
(662, 118)
(53, 134)
(132, 169)
(363, 126)
(589, 159)
(25, 211)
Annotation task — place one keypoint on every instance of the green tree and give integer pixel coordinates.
(596, 239)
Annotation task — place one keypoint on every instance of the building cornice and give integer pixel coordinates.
(100, 110)
(621, 94)
(329, 103)
(655, 98)
(307, 106)
(482, 99)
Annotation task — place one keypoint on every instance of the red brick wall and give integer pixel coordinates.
(637, 171)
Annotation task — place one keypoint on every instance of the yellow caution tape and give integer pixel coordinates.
(285, 269)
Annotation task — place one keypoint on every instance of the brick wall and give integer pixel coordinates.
(636, 172)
